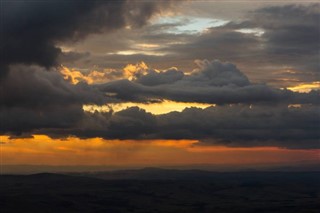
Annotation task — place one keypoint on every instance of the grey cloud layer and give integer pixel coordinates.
(35, 86)
(290, 40)
(34, 98)
(291, 34)
(239, 125)
(213, 82)
(44, 103)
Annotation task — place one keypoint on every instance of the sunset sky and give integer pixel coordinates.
(141, 82)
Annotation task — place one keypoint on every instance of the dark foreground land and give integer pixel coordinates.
(154, 190)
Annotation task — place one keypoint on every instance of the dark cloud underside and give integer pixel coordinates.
(44, 103)
(226, 125)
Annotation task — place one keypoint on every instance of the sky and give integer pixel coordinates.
(141, 82)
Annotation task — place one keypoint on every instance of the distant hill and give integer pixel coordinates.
(299, 166)
(151, 173)
(159, 190)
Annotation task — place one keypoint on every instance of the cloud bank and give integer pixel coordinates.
(46, 103)
(36, 99)
(239, 125)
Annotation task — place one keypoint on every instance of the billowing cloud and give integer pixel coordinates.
(34, 86)
(33, 97)
(154, 78)
(213, 82)
(247, 125)
(237, 125)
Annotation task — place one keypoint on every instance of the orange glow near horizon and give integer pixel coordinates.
(42, 150)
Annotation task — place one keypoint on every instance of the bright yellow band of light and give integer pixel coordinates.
(163, 107)
(306, 87)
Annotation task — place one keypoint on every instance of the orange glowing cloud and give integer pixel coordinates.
(93, 77)
(132, 70)
(74, 76)
(306, 87)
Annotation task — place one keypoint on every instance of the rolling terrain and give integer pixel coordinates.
(159, 190)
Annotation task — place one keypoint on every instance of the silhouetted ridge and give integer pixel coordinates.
(161, 190)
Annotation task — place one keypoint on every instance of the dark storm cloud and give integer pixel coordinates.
(30, 30)
(33, 86)
(33, 98)
(213, 82)
(237, 125)
(132, 123)
(18, 120)
(241, 125)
